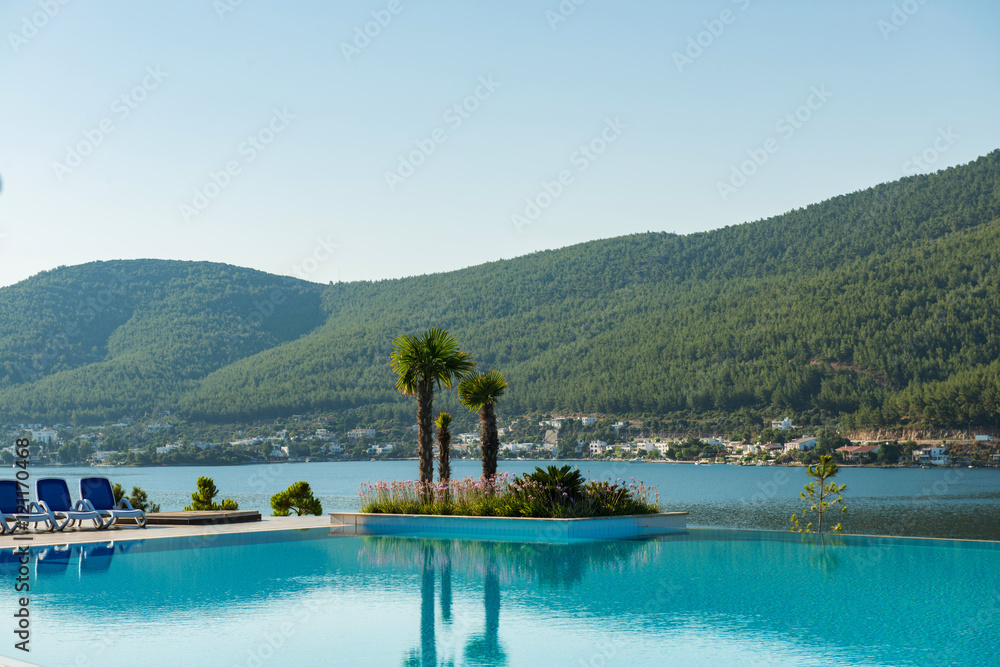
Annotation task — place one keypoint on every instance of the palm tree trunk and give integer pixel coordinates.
(444, 454)
(489, 442)
(425, 431)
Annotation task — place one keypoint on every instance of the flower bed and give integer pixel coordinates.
(548, 494)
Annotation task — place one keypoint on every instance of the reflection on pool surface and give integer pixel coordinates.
(702, 597)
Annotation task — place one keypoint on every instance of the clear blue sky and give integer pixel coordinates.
(923, 82)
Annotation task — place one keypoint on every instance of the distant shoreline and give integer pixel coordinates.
(535, 461)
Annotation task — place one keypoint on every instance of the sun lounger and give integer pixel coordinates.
(53, 497)
(97, 492)
(10, 517)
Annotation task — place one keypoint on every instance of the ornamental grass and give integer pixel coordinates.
(507, 495)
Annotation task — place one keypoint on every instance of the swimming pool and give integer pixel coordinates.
(704, 597)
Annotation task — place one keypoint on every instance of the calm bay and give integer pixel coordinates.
(945, 502)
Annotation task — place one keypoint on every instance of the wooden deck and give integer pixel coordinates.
(201, 518)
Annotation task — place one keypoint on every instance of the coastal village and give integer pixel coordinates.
(160, 440)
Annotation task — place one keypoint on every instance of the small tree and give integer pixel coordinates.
(118, 492)
(298, 497)
(140, 501)
(443, 423)
(817, 495)
(204, 498)
(566, 448)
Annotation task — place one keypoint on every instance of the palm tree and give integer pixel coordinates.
(481, 391)
(422, 363)
(444, 446)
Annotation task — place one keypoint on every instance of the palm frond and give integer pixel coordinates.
(432, 356)
(480, 389)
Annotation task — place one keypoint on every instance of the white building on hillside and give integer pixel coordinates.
(43, 435)
(588, 421)
(934, 456)
(782, 424)
(597, 447)
(802, 444)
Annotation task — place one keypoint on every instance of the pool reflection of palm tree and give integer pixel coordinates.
(551, 565)
(446, 584)
(485, 649)
(428, 643)
(427, 656)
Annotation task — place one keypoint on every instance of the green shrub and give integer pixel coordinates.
(204, 498)
(558, 483)
(140, 501)
(298, 497)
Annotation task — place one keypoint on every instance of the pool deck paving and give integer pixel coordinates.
(85, 535)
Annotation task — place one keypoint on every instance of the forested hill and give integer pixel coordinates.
(881, 304)
(109, 339)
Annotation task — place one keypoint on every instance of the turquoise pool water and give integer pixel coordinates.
(705, 597)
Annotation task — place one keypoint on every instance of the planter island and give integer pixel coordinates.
(597, 528)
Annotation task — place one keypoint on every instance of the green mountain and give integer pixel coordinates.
(882, 305)
(108, 339)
